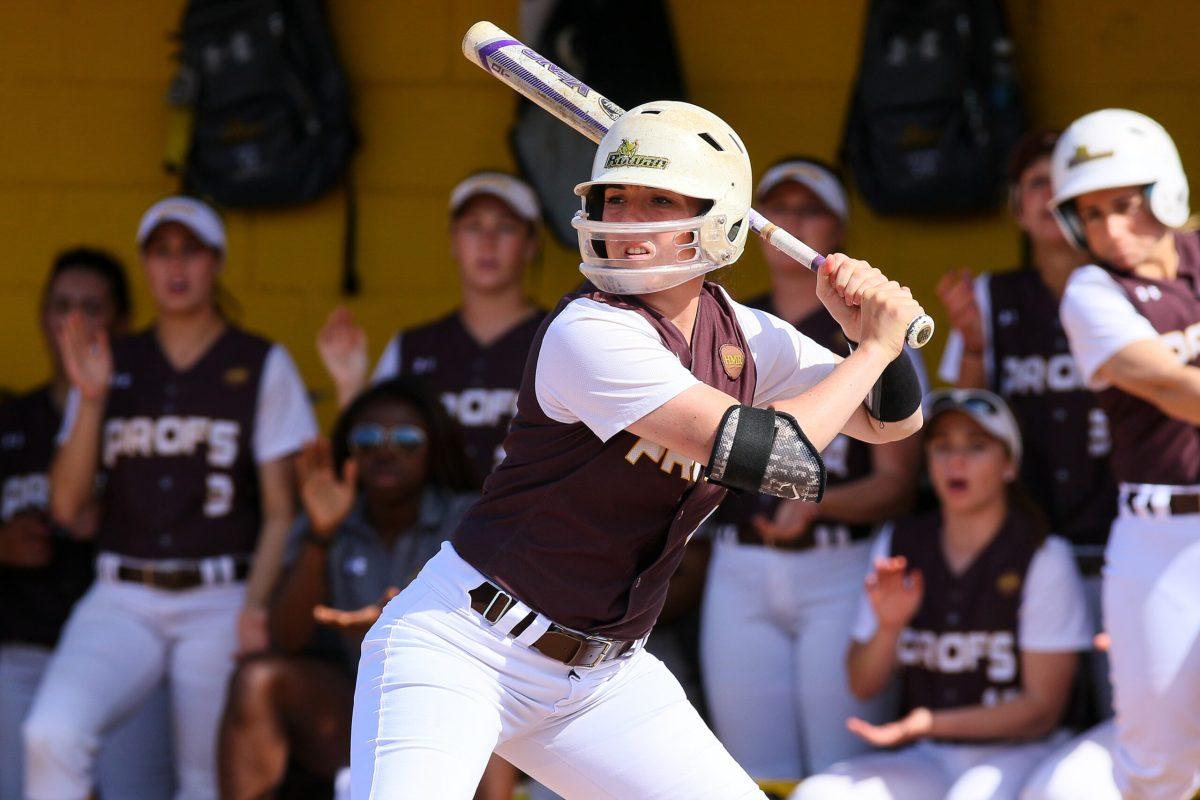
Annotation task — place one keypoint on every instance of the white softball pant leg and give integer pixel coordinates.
(439, 688)
(933, 771)
(117, 646)
(1152, 610)
(1082, 769)
(134, 760)
(773, 641)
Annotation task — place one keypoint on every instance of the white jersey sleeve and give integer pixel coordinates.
(952, 355)
(786, 362)
(388, 365)
(865, 622)
(283, 418)
(1099, 321)
(605, 367)
(1054, 615)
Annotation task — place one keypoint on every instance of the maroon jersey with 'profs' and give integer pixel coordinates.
(178, 450)
(476, 383)
(589, 532)
(1148, 445)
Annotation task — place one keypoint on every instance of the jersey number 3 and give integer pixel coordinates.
(219, 500)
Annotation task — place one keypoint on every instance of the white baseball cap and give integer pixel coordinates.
(988, 410)
(820, 179)
(515, 192)
(197, 217)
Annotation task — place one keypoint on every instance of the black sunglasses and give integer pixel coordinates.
(369, 437)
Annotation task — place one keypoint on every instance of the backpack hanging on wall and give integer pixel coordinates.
(634, 67)
(269, 102)
(936, 107)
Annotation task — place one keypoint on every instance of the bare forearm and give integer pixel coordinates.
(1023, 717)
(347, 390)
(304, 587)
(268, 560)
(825, 409)
(1181, 397)
(870, 664)
(971, 372)
(878, 496)
(73, 471)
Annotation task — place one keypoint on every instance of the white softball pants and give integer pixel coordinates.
(933, 771)
(121, 641)
(773, 641)
(439, 689)
(1082, 769)
(134, 762)
(1152, 611)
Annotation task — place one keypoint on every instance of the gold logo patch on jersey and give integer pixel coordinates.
(1082, 156)
(1008, 584)
(733, 360)
(626, 155)
(236, 376)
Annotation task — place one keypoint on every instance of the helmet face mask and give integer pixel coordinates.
(1111, 149)
(680, 148)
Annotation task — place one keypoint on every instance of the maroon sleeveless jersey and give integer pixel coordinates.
(476, 383)
(962, 648)
(846, 459)
(1148, 445)
(181, 480)
(1064, 432)
(35, 602)
(589, 532)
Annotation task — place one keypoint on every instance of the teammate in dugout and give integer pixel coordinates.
(44, 568)
(981, 615)
(192, 423)
(646, 393)
(1133, 319)
(784, 579)
(473, 356)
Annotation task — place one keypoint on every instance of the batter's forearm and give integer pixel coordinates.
(824, 410)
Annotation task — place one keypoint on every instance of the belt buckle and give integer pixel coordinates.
(509, 600)
(608, 645)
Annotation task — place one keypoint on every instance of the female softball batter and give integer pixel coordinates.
(646, 393)
(1133, 320)
(192, 423)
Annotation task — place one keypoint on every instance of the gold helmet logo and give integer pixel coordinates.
(626, 155)
(1082, 156)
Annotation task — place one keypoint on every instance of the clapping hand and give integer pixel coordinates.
(895, 594)
(326, 499)
(354, 623)
(86, 356)
(791, 520)
(957, 292)
(342, 344)
(916, 725)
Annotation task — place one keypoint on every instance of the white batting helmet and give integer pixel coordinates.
(682, 148)
(1109, 149)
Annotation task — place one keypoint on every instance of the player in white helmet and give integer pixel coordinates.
(524, 634)
(1133, 319)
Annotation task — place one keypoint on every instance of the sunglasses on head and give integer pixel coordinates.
(369, 437)
(981, 405)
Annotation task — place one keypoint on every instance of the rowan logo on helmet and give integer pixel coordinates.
(1082, 156)
(626, 155)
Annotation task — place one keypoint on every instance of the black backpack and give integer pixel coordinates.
(936, 108)
(270, 103)
(635, 67)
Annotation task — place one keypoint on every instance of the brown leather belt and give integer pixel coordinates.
(175, 579)
(561, 644)
(1180, 504)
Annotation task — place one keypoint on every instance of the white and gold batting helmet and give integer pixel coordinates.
(1110, 149)
(681, 148)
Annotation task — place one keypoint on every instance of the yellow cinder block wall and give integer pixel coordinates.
(83, 125)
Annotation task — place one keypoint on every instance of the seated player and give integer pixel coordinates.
(980, 614)
(377, 505)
